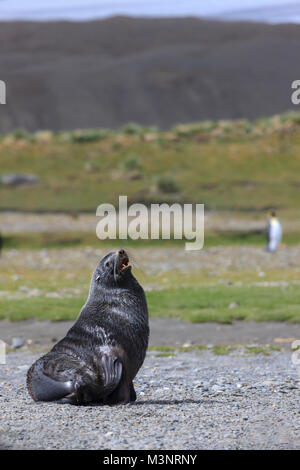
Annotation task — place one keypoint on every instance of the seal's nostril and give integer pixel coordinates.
(121, 252)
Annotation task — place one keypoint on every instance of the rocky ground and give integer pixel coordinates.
(151, 261)
(187, 401)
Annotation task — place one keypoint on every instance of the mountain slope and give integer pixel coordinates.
(64, 75)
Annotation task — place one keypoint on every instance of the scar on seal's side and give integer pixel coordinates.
(101, 354)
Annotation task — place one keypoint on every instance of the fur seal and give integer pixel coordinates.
(102, 352)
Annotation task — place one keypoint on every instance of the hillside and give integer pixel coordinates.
(66, 75)
(228, 165)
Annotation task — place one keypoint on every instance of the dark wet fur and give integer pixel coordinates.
(100, 355)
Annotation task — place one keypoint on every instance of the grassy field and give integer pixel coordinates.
(240, 167)
(189, 304)
(233, 165)
(81, 239)
(213, 286)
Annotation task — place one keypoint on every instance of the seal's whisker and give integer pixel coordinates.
(134, 261)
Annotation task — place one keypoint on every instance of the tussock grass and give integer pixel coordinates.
(39, 240)
(219, 349)
(234, 165)
(203, 304)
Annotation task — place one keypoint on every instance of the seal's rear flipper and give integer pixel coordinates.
(43, 388)
(71, 400)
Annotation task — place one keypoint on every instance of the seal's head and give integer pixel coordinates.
(114, 268)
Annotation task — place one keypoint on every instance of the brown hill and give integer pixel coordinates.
(65, 75)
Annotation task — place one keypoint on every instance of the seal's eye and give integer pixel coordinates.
(107, 264)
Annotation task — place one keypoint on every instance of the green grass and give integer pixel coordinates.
(233, 165)
(211, 303)
(162, 348)
(83, 239)
(203, 304)
(219, 350)
(240, 167)
(41, 308)
(265, 349)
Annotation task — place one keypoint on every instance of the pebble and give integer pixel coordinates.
(233, 305)
(17, 342)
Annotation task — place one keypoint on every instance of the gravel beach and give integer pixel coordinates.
(185, 400)
(192, 400)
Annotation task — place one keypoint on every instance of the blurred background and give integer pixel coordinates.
(163, 102)
(72, 65)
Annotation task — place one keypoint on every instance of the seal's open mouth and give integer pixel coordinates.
(122, 262)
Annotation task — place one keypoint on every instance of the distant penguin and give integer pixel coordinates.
(274, 233)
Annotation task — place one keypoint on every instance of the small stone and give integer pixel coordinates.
(217, 389)
(134, 175)
(18, 179)
(17, 342)
(34, 292)
(24, 289)
(233, 305)
(268, 382)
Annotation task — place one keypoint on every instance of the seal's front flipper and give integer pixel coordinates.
(120, 396)
(112, 373)
(132, 392)
(43, 388)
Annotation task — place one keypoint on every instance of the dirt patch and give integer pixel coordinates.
(165, 331)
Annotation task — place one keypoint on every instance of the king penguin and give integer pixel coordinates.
(274, 233)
